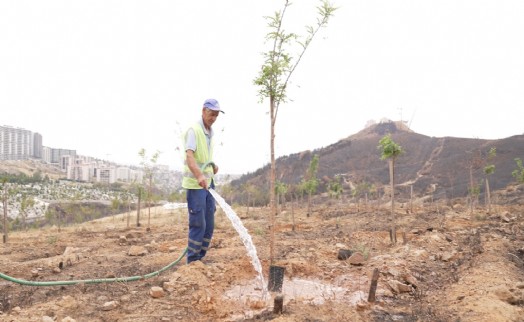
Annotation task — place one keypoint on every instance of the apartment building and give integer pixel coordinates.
(105, 174)
(19, 144)
(79, 168)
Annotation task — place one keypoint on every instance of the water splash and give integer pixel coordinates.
(244, 236)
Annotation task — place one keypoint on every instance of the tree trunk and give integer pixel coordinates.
(149, 201)
(138, 208)
(59, 219)
(411, 199)
(392, 181)
(292, 215)
(248, 201)
(308, 204)
(4, 203)
(471, 190)
(128, 213)
(272, 205)
(488, 196)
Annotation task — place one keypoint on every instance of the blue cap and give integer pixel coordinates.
(212, 104)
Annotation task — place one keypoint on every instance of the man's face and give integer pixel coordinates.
(209, 116)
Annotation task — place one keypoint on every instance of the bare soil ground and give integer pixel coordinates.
(448, 265)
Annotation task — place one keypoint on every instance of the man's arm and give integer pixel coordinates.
(195, 170)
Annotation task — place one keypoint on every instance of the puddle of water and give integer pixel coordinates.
(307, 291)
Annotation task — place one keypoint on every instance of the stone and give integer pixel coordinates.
(447, 256)
(156, 292)
(356, 259)
(122, 240)
(46, 318)
(398, 287)
(410, 279)
(137, 251)
(108, 306)
(125, 298)
(68, 319)
(344, 254)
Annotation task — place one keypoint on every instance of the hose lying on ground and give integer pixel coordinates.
(94, 281)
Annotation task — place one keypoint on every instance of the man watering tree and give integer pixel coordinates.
(198, 177)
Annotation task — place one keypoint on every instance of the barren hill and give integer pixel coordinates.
(440, 166)
(30, 167)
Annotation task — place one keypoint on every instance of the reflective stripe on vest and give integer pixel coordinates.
(202, 156)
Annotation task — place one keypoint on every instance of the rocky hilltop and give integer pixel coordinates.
(437, 166)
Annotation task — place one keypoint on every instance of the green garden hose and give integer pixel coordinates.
(94, 281)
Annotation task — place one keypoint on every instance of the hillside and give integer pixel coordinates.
(30, 167)
(437, 166)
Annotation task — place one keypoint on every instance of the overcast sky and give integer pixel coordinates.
(108, 78)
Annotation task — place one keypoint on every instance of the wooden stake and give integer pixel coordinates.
(373, 286)
(278, 306)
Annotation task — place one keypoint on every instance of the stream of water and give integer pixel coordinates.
(244, 236)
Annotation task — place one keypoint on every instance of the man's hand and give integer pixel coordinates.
(202, 181)
(215, 169)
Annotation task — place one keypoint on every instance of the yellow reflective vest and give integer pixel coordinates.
(202, 155)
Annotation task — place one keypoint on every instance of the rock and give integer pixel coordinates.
(344, 254)
(56, 270)
(447, 256)
(356, 259)
(362, 305)
(46, 318)
(125, 298)
(34, 273)
(504, 218)
(122, 240)
(108, 306)
(415, 231)
(16, 310)
(68, 319)
(410, 279)
(169, 286)
(156, 292)
(137, 251)
(520, 285)
(340, 246)
(398, 287)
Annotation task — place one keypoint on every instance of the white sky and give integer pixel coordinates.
(108, 78)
